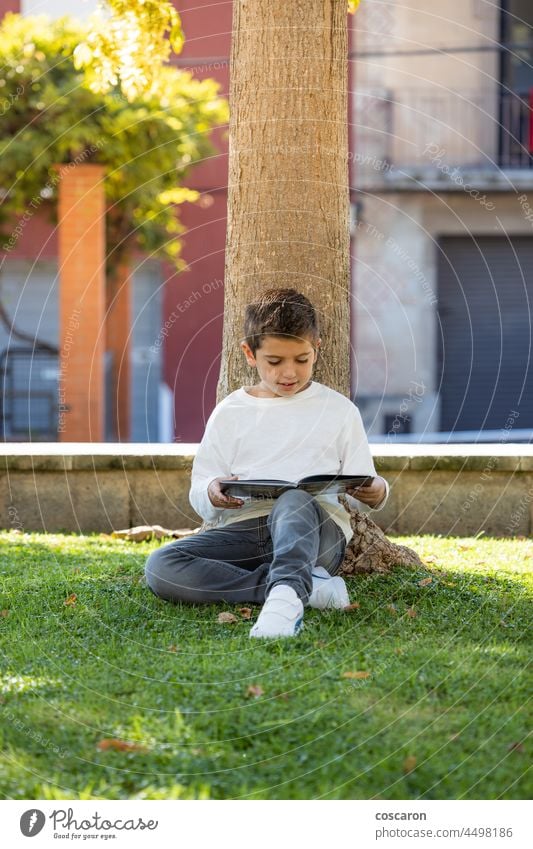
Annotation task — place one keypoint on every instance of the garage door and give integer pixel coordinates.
(485, 290)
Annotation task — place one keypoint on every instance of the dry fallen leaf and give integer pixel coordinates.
(172, 648)
(515, 747)
(254, 691)
(354, 606)
(359, 675)
(4, 612)
(409, 764)
(424, 582)
(411, 612)
(115, 745)
(226, 618)
(71, 600)
(246, 612)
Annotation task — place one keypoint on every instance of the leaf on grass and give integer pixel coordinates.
(4, 613)
(354, 606)
(254, 691)
(172, 648)
(357, 675)
(284, 696)
(111, 743)
(392, 609)
(411, 612)
(70, 600)
(516, 747)
(226, 618)
(246, 612)
(425, 582)
(409, 764)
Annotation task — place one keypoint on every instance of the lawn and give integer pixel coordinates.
(419, 693)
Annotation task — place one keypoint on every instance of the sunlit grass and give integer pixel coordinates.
(194, 709)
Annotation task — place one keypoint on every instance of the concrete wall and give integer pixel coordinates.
(448, 97)
(460, 490)
(395, 294)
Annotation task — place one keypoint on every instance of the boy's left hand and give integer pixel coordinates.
(371, 495)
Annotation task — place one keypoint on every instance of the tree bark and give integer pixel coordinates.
(288, 205)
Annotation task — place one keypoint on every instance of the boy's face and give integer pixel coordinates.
(284, 364)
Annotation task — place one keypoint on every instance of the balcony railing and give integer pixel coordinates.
(424, 130)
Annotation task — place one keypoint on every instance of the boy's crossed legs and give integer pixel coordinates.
(247, 560)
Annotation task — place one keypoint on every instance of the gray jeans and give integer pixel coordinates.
(244, 560)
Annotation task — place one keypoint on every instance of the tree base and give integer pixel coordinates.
(369, 550)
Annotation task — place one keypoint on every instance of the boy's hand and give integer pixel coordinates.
(371, 495)
(218, 498)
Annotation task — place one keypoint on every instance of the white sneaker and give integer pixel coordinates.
(328, 593)
(281, 615)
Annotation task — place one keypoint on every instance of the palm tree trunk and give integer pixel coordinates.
(288, 206)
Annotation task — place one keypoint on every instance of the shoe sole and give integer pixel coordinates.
(297, 628)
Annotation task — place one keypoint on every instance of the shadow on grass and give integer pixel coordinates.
(420, 692)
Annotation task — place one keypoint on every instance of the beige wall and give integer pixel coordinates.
(445, 100)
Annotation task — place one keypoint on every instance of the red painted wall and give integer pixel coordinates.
(9, 6)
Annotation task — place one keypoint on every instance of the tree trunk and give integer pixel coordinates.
(118, 342)
(288, 206)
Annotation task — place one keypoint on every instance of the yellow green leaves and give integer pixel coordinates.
(128, 46)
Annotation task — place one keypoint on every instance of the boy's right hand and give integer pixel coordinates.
(218, 498)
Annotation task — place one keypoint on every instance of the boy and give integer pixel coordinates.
(281, 553)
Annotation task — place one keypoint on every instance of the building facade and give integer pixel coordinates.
(443, 223)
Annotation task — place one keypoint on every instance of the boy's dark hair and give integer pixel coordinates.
(279, 312)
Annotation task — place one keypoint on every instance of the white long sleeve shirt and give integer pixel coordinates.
(317, 431)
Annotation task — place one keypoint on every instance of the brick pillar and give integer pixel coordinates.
(118, 336)
(81, 218)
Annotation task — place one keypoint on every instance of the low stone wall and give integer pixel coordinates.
(438, 489)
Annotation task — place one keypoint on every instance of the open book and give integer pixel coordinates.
(314, 484)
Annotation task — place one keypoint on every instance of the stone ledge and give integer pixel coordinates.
(52, 456)
(452, 489)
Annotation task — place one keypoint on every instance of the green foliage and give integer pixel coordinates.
(50, 116)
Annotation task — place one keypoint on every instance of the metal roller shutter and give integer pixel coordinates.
(484, 336)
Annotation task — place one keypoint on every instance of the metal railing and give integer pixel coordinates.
(423, 129)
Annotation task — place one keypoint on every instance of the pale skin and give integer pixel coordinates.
(285, 367)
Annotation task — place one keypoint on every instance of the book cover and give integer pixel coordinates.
(313, 484)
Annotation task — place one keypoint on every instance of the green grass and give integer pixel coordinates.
(442, 714)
